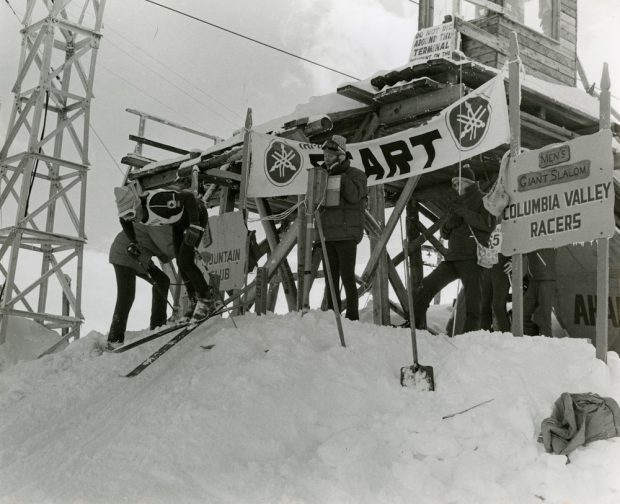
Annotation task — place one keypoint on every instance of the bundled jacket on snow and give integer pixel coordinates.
(578, 419)
(346, 220)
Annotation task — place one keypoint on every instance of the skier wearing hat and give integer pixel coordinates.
(188, 217)
(343, 224)
(129, 263)
(467, 217)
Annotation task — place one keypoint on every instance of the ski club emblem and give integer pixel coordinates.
(469, 121)
(282, 163)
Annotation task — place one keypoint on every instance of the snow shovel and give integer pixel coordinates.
(418, 376)
(330, 280)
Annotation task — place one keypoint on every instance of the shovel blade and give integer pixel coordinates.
(418, 376)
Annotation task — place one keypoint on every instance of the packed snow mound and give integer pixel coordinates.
(25, 340)
(278, 412)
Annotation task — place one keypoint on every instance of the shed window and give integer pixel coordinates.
(539, 15)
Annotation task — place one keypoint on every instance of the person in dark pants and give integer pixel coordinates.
(467, 215)
(495, 289)
(343, 223)
(129, 263)
(540, 296)
(188, 217)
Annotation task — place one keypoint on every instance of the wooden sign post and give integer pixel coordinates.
(602, 244)
(514, 113)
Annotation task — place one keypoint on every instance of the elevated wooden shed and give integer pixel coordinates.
(552, 110)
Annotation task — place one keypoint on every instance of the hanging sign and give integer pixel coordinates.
(433, 43)
(227, 254)
(559, 195)
(467, 128)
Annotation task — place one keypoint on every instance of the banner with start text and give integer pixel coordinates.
(475, 124)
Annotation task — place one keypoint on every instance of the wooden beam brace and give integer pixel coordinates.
(426, 233)
(157, 145)
(286, 274)
(479, 35)
(409, 108)
(406, 193)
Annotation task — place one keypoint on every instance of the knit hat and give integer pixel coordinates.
(336, 143)
(126, 201)
(466, 173)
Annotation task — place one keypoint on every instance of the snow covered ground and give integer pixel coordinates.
(278, 412)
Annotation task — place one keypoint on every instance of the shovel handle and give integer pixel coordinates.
(330, 280)
(414, 343)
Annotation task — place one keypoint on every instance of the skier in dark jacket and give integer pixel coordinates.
(467, 216)
(343, 224)
(188, 217)
(129, 263)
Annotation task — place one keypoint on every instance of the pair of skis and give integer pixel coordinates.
(186, 330)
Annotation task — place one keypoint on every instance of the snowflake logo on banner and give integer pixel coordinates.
(282, 163)
(469, 121)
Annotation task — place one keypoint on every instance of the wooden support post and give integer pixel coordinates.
(602, 244)
(426, 12)
(373, 228)
(389, 228)
(380, 291)
(262, 285)
(514, 95)
(285, 270)
(274, 288)
(317, 179)
(412, 228)
(245, 163)
(414, 265)
(301, 255)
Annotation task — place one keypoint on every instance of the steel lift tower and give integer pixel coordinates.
(44, 164)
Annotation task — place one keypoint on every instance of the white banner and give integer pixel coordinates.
(473, 125)
(560, 194)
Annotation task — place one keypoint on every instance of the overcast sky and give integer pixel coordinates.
(191, 73)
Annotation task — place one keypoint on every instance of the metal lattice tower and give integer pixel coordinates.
(44, 163)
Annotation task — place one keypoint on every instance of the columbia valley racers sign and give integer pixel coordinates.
(560, 194)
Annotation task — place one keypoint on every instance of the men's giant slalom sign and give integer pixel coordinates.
(560, 194)
(471, 126)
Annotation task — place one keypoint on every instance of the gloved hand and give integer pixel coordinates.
(134, 250)
(459, 210)
(508, 267)
(192, 235)
(453, 222)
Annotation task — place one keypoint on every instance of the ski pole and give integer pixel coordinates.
(150, 277)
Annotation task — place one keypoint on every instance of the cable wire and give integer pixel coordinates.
(106, 149)
(180, 76)
(148, 94)
(13, 10)
(251, 39)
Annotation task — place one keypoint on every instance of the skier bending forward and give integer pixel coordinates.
(188, 217)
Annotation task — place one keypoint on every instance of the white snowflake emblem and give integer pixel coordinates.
(469, 121)
(282, 163)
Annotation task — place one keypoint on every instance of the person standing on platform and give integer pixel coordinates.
(468, 221)
(343, 223)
